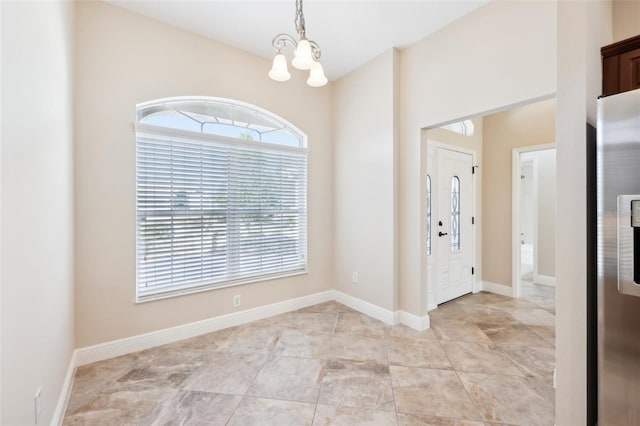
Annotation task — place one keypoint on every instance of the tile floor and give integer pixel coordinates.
(486, 360)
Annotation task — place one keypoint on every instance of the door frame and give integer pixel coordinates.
(430, 264)
(516, 252)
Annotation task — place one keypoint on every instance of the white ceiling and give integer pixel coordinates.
(350, 33)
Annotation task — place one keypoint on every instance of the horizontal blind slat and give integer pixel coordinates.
(210, 215)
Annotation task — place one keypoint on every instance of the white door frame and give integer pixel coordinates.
(516, 252)
(433, 146)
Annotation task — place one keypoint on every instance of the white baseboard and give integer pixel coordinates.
(544, 280)
(413, 321)
(477, 286)
(384, 315)
(140, 342)
(366, 308)
(497, 288)
(119, 347)
(65, 392)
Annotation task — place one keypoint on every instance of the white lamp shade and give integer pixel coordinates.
(302, 58)
(279, 71)
(316, 75)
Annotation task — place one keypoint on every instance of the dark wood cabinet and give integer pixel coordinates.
(621, 66)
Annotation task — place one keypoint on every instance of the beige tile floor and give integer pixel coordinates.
(487, 360)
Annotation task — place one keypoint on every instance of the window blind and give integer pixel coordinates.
(214, 212)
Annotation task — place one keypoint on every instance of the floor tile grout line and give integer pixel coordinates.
(234, 410)
(393, 390)
(475, 403)
(326, 361)
(453, 367)
(457, 371)
(537, 334)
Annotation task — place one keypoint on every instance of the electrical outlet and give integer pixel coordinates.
(354, 277)
(36, 405)
(236, 301)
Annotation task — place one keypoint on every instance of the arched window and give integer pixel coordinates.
(464, 127)
(221, 196)
(428, 215)
(455, 214)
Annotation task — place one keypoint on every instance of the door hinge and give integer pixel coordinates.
(473, 220)
(473, 270)
(473, 170)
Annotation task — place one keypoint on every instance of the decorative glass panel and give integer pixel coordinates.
(455, 214)
(428, 215)
(222, 117)
(464, 128)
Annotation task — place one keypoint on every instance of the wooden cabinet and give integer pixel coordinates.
(621, 66)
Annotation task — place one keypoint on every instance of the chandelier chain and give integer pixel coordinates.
(300, 26)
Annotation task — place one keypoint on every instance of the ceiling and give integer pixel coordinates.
(350, 33)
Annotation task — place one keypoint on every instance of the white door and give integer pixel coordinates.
(452, 231)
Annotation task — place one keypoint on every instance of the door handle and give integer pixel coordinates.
(629, 244)
(441, 234)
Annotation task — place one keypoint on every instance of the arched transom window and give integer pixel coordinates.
(464, 127)
(221, 196)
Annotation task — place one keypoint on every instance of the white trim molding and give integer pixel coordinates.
(384, 315)
(413, 321)
(497, 288)
(65, 392)
(366, 308)
(544, 280)
(140, 342)
(477, 286)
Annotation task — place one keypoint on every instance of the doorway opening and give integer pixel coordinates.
(492, 138)
(534, 193)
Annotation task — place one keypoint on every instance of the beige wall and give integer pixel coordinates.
(37, 206)
(528, 125)
(463, 70)
(124, 59)
(365, 144)
(583, 27)
(626, 19)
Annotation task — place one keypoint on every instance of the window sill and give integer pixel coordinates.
(205, 288)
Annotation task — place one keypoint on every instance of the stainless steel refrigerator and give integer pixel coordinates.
(618, 258)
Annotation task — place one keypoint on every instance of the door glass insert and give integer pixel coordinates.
(428, 215)
(455, 214)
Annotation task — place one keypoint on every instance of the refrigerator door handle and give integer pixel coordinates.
(629, 245)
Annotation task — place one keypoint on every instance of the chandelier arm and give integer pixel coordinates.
(306, 55)
(315, 50)
(281, 41)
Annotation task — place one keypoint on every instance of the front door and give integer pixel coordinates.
(453, 232)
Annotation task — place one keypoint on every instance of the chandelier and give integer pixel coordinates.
(306, 54)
